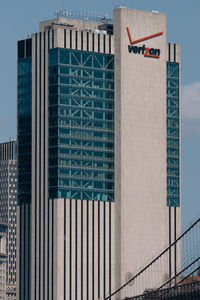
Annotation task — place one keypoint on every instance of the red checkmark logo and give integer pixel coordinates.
(142, 39)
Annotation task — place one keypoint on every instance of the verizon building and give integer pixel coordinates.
(98, 153)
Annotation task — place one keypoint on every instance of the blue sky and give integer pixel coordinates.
(18, 18)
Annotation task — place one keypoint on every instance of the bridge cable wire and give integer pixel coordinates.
(185, 248)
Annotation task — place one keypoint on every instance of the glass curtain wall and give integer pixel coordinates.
(173, 190)
(81, 125)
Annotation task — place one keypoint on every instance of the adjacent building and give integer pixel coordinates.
(8, 210)
(98, 153)
(3, 260)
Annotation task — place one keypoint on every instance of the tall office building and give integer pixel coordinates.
(98, 152)
(8, 211)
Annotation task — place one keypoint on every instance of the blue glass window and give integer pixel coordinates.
(173, 188)
(24, 129)
(81, 125)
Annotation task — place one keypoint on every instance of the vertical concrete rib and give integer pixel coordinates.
(96, 248)
(64, 255)
(50, 229)
(68, 39)
(46, 202)
(41, 165)
(90, 249)
(78, 40)
(107, 254)
(85, 249)
(22, 295)
(26, 250)
(79, 248)
(93, 248)
(90, 39)
(18, 252)
(73, 249)
(113, 249)
(76, 248)
(37, 179)
(81, 245)
(67, 241)
(55, 247)
(99, 261)
(101, 267)
(59, 253)
(33, 208)
(104, 249)
(101, 46)
(109, 246)
(84, 41)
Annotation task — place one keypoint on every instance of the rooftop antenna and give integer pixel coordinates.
(105, 19)
(82, 15)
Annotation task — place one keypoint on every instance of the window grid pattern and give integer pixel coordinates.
(81, 125)
(24, 128)
(3, 259)
(8, 214)
(173, 170)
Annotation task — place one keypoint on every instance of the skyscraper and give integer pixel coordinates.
(8, 211)
(98, 152)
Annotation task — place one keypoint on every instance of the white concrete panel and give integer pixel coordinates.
(90, 249)
(171, 52)
(68, 39)
(42, 169)
(50, 249)
(73, 39)
(107, 43)
(101, 42)
(101, 249)
(96, 250)
(46, 167)
(18, 253)
(50, 39)
(78, 40)
(84, 249)
(79, 248)
(178, 54)
(107, 254)
(140, 93)
(67, 247)
(112, 44)
(60, 248)
(73, 248)
(38, 167)
(33, 258)
(113, 260)
(84, 41)
(59, 38)
(90, 41)
(96, 42)
(55, 248)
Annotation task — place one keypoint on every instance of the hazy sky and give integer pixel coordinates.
(18, 18)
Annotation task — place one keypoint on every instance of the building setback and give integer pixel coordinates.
(8, 211)
(98, 153)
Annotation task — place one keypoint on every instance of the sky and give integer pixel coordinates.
(18, 18)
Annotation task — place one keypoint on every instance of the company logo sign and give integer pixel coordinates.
(147, 52)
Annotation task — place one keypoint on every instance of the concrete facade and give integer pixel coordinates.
(3, 260)
(8, 210)
(85, 249)
(140, 92)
